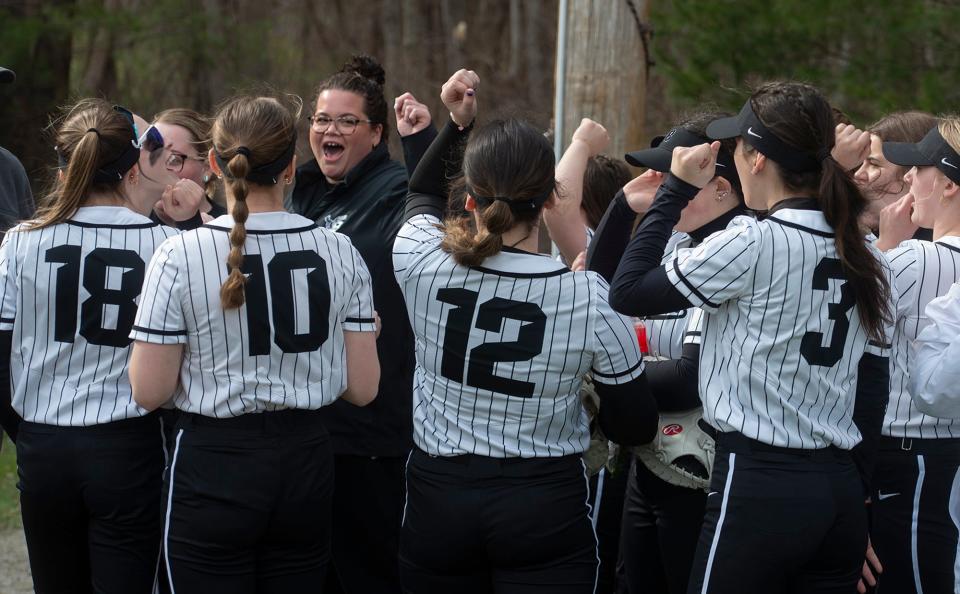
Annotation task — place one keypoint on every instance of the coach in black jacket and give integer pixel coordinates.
(365, 202)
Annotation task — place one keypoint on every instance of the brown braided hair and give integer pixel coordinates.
(265, 128)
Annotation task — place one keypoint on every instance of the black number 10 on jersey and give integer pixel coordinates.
(284, 303)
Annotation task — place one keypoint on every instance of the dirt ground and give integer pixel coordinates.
(14, 571)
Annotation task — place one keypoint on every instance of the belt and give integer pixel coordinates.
(920, 446)
(739, 443)
(291, 417)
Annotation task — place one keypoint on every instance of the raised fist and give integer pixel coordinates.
(180, 201)
(852, 146)
(412, 116)
(593, 135)
(459, 95)
(696, 165)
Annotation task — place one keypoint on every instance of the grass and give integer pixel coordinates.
(9, 498)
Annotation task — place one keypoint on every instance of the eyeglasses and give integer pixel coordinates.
(346, 125)
(176, 161)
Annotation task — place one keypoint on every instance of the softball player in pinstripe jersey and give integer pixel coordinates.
(791, 304)
(662, 520)
(89, 459)
(496, 487)
(917, 500)
(252, 323)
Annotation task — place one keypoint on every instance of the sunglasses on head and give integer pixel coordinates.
(151, 140)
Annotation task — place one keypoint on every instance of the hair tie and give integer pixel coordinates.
(94, 130)
(824, 153)
(242, 150)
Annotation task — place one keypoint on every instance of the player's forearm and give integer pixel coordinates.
(415, 146)
(631, 292)
(873, 393)
(674, 382)
(154, 372)
(628, 412)
(611, 238)
(563, 220)
(363, 368)
(442, 160)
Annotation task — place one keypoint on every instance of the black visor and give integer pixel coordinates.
(660, 153)
(932, 151)
(747, 125)
(7, 76)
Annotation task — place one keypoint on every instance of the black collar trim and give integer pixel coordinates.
(264, 231)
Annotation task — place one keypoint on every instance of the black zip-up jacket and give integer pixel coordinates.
(368, 208)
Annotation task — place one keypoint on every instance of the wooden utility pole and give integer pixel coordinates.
(604, 75)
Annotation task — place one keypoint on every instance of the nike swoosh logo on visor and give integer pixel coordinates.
(882, 496)
(945, 162)
(752, 133)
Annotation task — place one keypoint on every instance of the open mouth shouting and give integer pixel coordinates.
(332, 151)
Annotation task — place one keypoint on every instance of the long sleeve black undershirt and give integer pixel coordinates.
(9, 419)
(628, 412)
(675, 382)
(869, 409)
(415, 146)
(611, 237)
(640, 286)
(442, 162)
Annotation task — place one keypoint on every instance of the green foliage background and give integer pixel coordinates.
(870, 57)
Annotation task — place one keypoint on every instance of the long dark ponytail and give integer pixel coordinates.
(799, 115)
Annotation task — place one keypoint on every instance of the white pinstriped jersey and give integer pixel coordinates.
(69, 294)
(934, 373)
(923, 270)
(781, 337)
(283, 348)
(665, 332)
(502, 348)
(694, 332)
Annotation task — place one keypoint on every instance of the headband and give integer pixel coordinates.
(109, 172)
(266, 174)
(516, 206)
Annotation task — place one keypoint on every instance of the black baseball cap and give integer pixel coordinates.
(7, 76)
(932, 151)
(660, 153)
(747, 125)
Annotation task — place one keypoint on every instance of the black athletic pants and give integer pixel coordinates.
(607, 493)
(661, 528)
(249, 504)
(90, 500)
(916, 513)
(780, 520)
(368, 497)
(474, 524)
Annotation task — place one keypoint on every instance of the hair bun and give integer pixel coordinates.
(367, 67)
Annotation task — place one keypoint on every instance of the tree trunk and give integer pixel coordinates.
(606, 70)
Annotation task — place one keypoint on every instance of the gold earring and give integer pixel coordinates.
(721, 195)
(287, 180)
